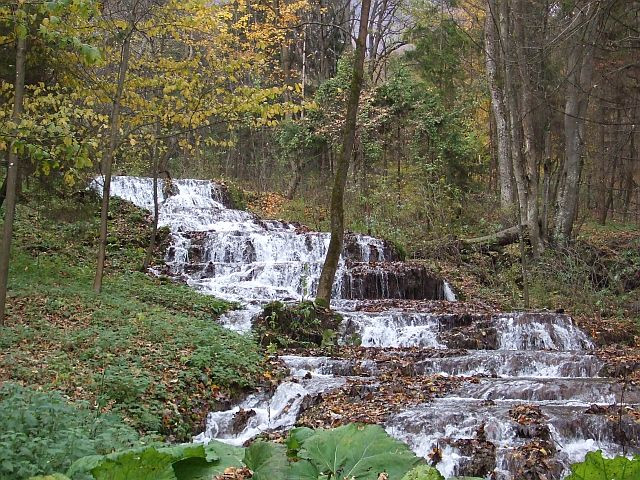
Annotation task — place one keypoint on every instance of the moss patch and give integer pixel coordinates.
(303, 324)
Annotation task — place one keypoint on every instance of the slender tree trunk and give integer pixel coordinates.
(628, 181)
(107, 161)
(295, 180)
(155, 161)
(602, 183)
(376, 40)
(337, 196)
(513, 111)
(498, 107)
(546, 184)
(12, 176)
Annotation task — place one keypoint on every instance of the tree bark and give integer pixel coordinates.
(493, 241)
(513, 110)
(337, 196)
(498, 107)
(107, 161)
(602, 181)
(155, 161)
(12, 176)
(295, 180)
(529, 111)
(546, 184)
(580, 68)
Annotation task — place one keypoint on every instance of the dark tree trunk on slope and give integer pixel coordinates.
(12, 177)
(154, 228)
(337, 195)
(498, 107)
(107, 161)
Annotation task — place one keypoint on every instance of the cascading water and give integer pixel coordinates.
(541, 359)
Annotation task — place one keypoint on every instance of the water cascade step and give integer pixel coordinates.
(524, 379)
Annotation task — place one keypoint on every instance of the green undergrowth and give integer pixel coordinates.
(145, 348)
(304, 324)
(42, 433)
(353, 451)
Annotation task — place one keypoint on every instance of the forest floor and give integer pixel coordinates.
(144, 348)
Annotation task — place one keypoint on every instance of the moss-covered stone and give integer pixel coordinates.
(302, 324)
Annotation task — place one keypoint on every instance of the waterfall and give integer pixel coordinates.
(502, 360)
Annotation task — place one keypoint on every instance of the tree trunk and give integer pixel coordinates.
(498, 108)
(155, 161)
(530, 112)
(513, 109)
(580, 67)
(107, 161)
(12, 176)
(295, 180)
(337, 195)
(493, 241)
(546, 184)
(602, 183)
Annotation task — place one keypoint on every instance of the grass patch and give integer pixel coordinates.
(145, 348)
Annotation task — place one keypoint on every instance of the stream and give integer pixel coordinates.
(524, 381)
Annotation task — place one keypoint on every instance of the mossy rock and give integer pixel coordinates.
(301, 324)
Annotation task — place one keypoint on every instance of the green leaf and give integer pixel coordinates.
(84, 465)
(91, 54)
(423, 472)
(296, 438)
(148, 464)
(267, 460)
(302, 470)
(358, 451)
(596, 467)
(21, 30)
(219, 456)
(226, 454)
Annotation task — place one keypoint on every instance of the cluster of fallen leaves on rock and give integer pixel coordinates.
(373, 399)
(535, 459)
(622, 362)
(436, 307)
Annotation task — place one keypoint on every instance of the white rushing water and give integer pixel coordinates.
(538, 359)
(232, 254)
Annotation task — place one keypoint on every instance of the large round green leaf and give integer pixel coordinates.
(358, 451)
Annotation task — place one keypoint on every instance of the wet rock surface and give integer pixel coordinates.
(388, 280)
